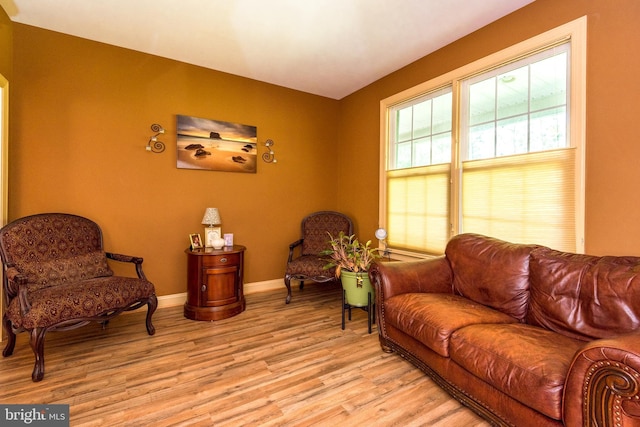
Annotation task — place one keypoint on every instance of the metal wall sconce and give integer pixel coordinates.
(154, 145)
(269, 156)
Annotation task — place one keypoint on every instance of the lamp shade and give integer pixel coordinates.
(211, 217)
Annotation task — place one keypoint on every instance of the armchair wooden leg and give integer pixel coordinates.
(152, 305)
(11, 338)
(37, 345)
(287, 282)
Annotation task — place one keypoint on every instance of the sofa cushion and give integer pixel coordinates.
(432, 318)
(43, 274)
(492, 272)
(527, 363)
(83, 299)
(310, 266)
(584, 296)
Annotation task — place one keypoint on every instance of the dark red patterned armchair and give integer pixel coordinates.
(308, 265)
(56, 277)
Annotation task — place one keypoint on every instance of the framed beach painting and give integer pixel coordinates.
(216, 145)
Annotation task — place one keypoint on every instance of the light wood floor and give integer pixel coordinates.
(272, 365)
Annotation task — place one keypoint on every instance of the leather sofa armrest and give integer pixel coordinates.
(132, 259)
(603, 383)
(394, 278)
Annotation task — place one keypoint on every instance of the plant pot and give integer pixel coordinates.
(357, 287)
(357, 292)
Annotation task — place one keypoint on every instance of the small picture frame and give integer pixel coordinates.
(210, 234)
(228, 239)
(196, 241)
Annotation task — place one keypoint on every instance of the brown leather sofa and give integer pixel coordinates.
(522, 334)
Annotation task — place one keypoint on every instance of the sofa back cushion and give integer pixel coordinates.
(65, 270)
(53, 249)
(491, 272)
(319, 227)
(584, 296)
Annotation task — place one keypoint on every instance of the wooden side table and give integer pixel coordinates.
(214, 283)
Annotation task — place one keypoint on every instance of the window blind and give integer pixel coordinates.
(418, 212)
(527, 198)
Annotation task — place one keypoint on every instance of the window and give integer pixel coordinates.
(422, 131)
(494, 148)
(518, 108)
(419, 180)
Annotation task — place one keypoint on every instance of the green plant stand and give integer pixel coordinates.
(357, 292)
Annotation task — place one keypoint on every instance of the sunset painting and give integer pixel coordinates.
(216, 145)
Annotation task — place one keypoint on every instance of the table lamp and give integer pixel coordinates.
(213, 235)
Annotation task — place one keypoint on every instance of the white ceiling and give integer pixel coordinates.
(325, 47)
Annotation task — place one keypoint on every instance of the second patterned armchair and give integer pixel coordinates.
(304, 261)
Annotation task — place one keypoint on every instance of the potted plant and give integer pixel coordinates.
(352, 259)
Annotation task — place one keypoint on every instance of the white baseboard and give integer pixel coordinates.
(249, 288)
(267, 285)
(172, 300)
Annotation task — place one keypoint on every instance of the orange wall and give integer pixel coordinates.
(81, 115)
(6, 44)
(612, 141)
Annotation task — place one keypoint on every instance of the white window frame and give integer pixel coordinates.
(4, 163)
(4, 154)
(576, 32)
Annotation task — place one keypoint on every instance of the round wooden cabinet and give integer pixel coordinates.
(214, 283)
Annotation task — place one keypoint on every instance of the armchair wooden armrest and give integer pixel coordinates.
(604, 379)
(131, 259)
(14, 280)
(15, 285)
(292, 247)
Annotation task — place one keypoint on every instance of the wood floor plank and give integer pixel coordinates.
(275, 364)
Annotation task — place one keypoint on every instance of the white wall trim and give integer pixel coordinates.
(267, 285)
(175, 300)
(172, 300)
